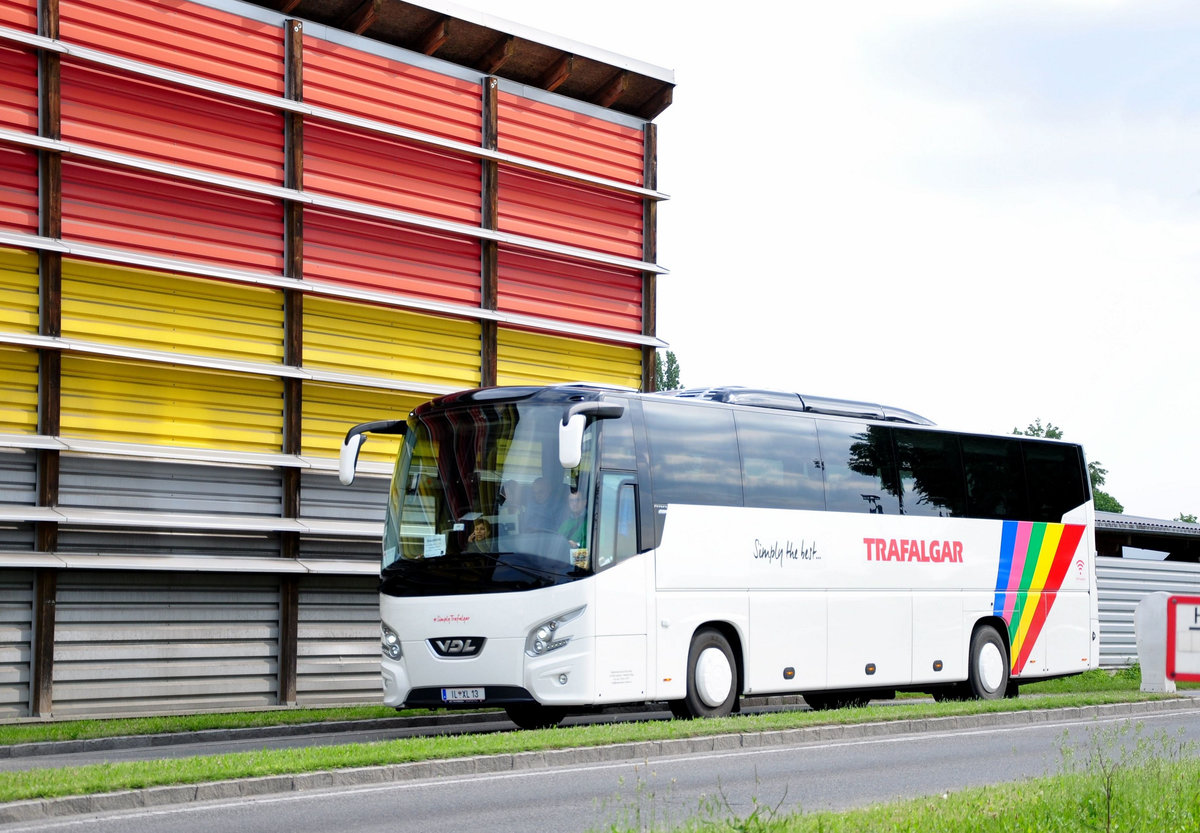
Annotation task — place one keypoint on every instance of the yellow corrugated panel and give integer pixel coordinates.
(170, 405)
(18, 391)
(158, 311)
(331, 410)
(18, 291)
(537, 359)
(392, 343)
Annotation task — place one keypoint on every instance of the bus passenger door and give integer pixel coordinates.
(622, 592)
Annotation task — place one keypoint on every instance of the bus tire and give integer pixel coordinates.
(534, 715)
(711, 675)
(987, 671)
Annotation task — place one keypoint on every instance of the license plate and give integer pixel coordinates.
(462, 695)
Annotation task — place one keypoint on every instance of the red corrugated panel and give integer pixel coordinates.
(145, 118)
(19, 14)
(563, 290)
(570, 140)
(386, 90)
(377, 255)
(179, 35)
(18, 189)
(390, 173)
(571, 213)
(18, 89)
(177, 219)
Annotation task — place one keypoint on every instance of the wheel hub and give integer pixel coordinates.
(714, 677)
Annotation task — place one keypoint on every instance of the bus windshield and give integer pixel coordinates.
(480, 503)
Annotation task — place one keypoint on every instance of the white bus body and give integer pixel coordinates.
(698, 603)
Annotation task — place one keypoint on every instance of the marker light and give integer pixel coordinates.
(546, 638)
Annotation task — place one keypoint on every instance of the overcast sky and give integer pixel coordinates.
(985, 212)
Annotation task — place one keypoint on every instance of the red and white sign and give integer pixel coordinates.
(1183, 638)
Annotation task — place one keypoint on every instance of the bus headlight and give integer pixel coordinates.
(390, 644)
(546, 637)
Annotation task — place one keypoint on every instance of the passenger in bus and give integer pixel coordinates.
(574, 528)
(544, 510)
(480, 539)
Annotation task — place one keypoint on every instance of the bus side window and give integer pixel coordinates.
(860, 472)
(616, 536)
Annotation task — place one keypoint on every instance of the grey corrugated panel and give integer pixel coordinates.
(323, 496)
(1122, 583)
(338, 648)
(167, 542)
(365, 550)
(16, 635)
(18, 476)
(129, 642)
(16, 536)
(154, 486)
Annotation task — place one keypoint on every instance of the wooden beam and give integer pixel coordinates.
(557, 73)
(286, 6)
(613, 90)
(490, 251)
(649, 251)
(45, 594)
(362, 18)
(433, 38)
(289, 638)
(497, 55)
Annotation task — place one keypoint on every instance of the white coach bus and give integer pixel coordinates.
(561, 549)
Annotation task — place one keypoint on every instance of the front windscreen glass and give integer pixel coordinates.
(480, 503)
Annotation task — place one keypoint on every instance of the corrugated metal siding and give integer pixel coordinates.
(16, 637)
(390, 173)
(330, 409)
(534, 359)
(184, 36)
(18, 391)
(322, 496)
(142, 642)
(164, 217)
(570, 140)
(18, 477)
(19, 14)
(170, 405)
(159, 311)
(363, 84)
(18, 93)
(18, 189)
(375, 254)
(392, 343)
(338, 653)
(535, 205)
(165, 544)
(1123, 582)
(153, 486)
(155, 120)
(18, 291)
(569, 291)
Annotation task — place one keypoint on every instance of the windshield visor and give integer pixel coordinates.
(479, 503)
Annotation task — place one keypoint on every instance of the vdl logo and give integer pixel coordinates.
(458, 646)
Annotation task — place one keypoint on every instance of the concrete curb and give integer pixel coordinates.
(47, 808)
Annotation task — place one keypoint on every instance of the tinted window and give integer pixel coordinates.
(931, 481)
(781, 462)
(859, 469)
(616, 446)
(1055, 476)
(693, 454)
(995, 478)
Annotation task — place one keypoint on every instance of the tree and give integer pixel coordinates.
(1186, 518)
(1103, 501)
(666, 372)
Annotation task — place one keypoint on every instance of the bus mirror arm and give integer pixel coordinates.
(575, 418)
(355, 437)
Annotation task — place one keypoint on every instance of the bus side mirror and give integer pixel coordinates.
(355, 437)
(575, 419)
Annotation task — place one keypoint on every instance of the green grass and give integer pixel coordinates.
(45, 783)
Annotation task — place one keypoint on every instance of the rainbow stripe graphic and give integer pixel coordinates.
(1034, 558)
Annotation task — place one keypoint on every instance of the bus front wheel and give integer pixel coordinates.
(711, 678)
(987, 675)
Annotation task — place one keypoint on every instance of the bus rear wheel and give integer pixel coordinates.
(711, 677)
(534, 715)
(987, 673)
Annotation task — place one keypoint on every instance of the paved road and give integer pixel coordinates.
(581, 790)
